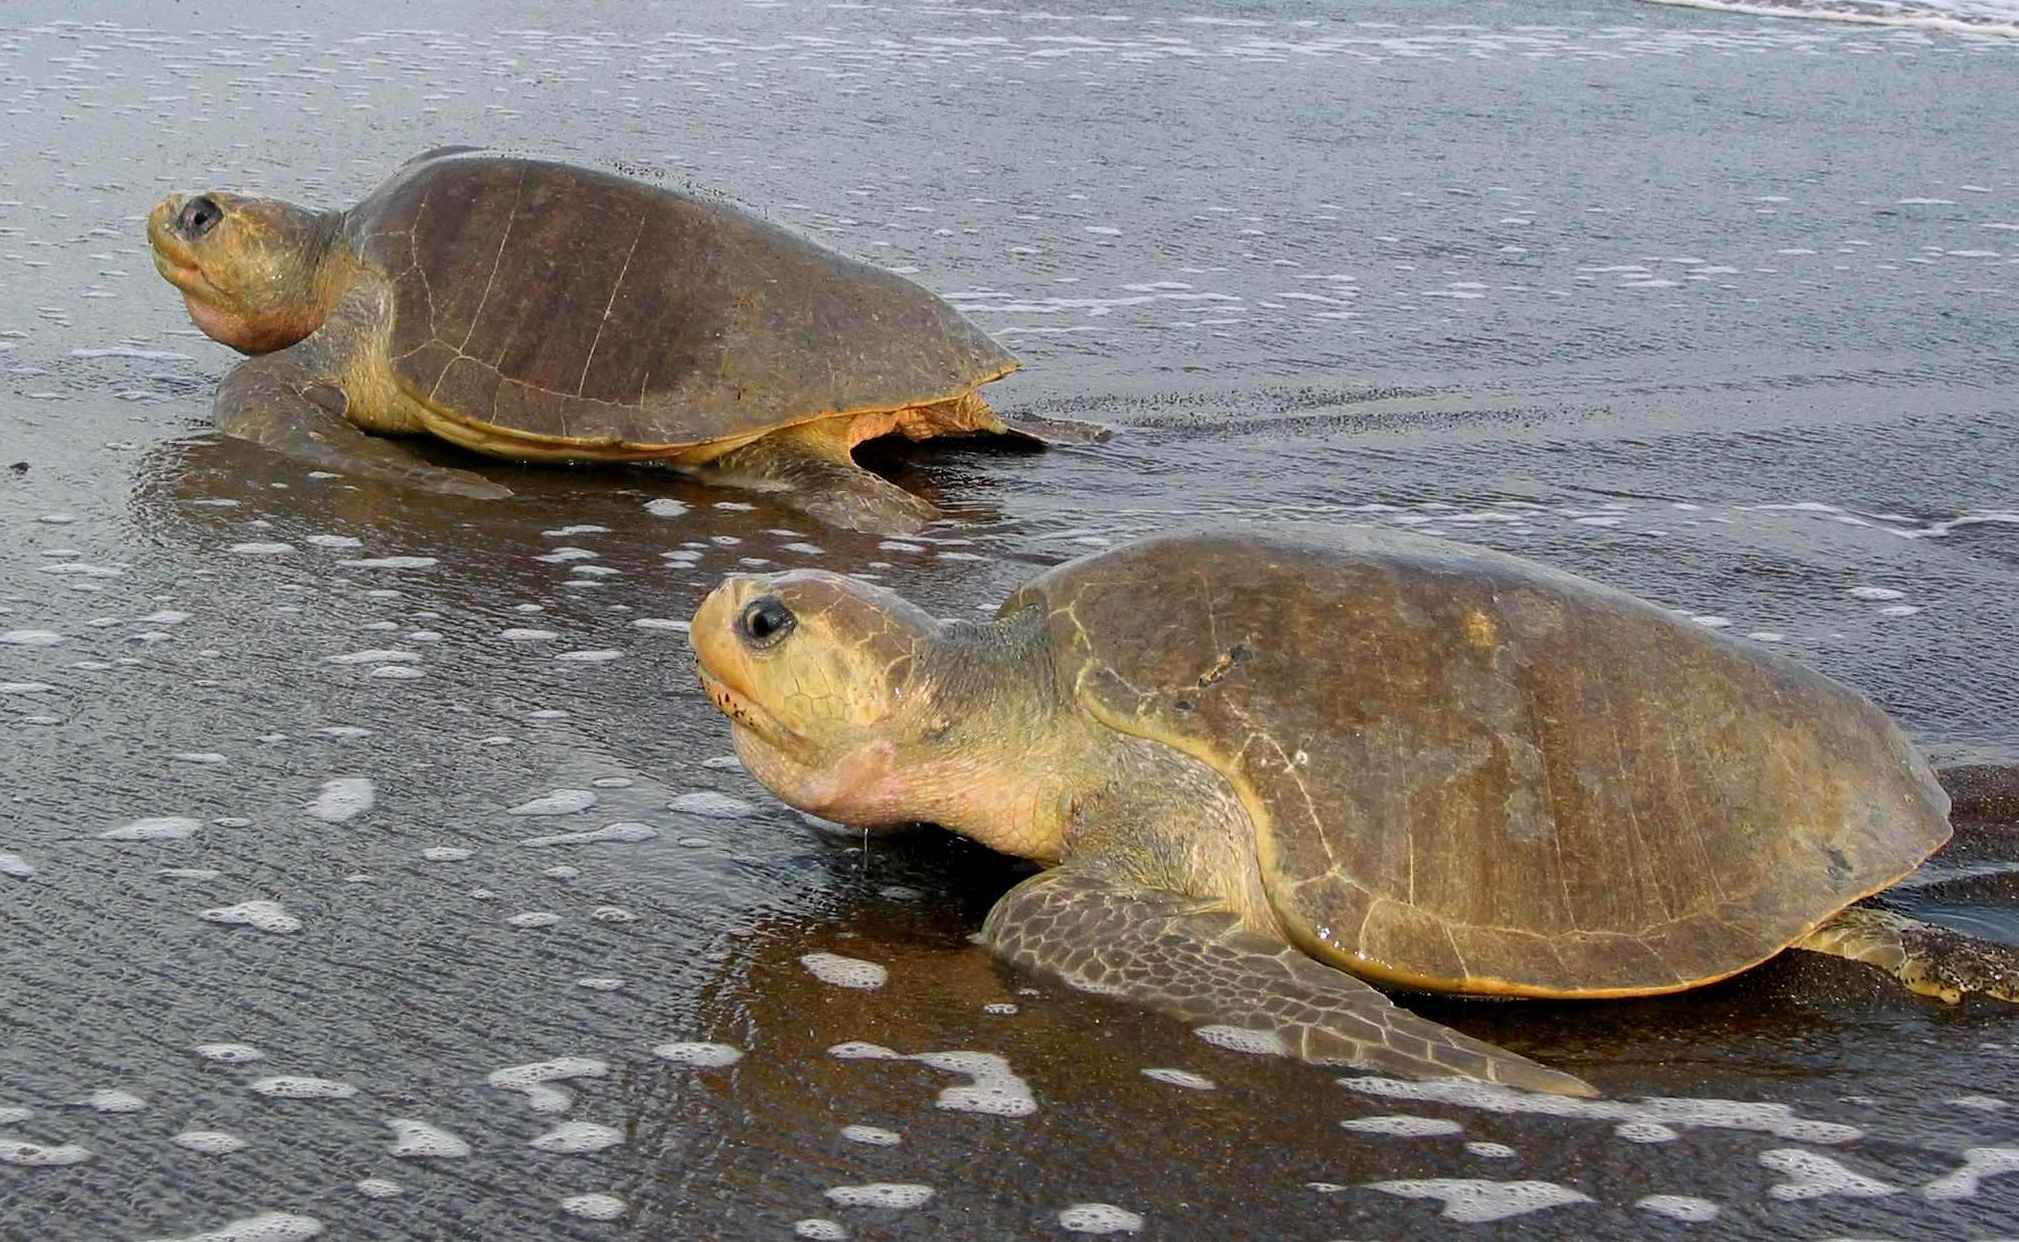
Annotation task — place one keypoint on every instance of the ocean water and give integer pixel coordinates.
(371, 864)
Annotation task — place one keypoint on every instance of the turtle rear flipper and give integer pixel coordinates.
(289, 401)
(811, 467)
(1193, 959)
(1931, 960)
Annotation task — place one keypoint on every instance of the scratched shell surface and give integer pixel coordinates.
(1479, 773)
(559, 301)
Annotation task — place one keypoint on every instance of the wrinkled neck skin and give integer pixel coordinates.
(982, 746)
(285, 292)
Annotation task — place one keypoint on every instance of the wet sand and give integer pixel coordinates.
(1715, 308)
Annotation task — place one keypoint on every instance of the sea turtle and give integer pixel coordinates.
(540, 312)
(1265, 769)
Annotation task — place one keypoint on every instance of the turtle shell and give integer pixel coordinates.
(570, 305)
(1473, 773)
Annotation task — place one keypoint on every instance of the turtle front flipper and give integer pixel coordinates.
(810, 466)
(288, 402)
(1194, 960)
(1931, 960)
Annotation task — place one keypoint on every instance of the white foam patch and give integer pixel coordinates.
(265, 1227)
(36, 1156)
(661, 623)
(578, 1138)
(261, 549)
(699, 1055)
(1812, 1176)
(1644, 1132)
(559, 802)
(994, 1090)
(16, 866)
(11, 1114)
(874, 1136)
(1984, 1103)
(392, 562)
(421, 1140)
(260, 914)
(343, 798)
(162, 828)
(229, 1054)
(1491, 1151)
(819, 1229)
(622, 833)
(24, 687)
(711, 804)
(599, 656)
(1403, 1127)
(536, 1080)
(845, 972)
(1473, 1200)
(301, 1087)
(518, 635)
(1775, 1119)
(334, 541)
(599, 983)
(1978, 1164)
(210, 1142)
(665, 506)
(593, 1206)
(534, 918)
(1679, 1207)
(882, 1195)
(1241, 1039)
(31, 638)
(1180, 1078)
(377, 655)
(1097, 1218)
(446, 853)
(379, 1188)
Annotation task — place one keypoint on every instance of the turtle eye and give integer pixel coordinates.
(764, 621)
(198, 216)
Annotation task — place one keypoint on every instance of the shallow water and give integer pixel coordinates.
(299, 851)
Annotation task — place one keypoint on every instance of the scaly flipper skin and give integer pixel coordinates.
(293, 401)
(811, 463)
(1930, 960)
(1193, 959)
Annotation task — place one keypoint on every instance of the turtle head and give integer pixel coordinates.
(251, 269)
(852, 703)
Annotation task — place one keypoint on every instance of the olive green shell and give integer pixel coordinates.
(1474, 773)
(559, 301)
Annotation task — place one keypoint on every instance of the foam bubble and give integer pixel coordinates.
(711, 804)
(1403, 1127)
(1491, 1151)
(110, 1100)
(660, 623)
(265, 1227)
(1978, 1164)
(612, 914)
(699, 1055)
(1775, 1119)
(1644, 1132)
(1180, 1078)
(1473, 1200)
(1098, 1218)
(626, 832)
(261, 549)
(342, 799)
(264, 915)
(379, 1188)
(16, 866)
(845, 972)
(229, 1054)
(392, 562)
(1811, 1176)
(820, 1229)
(446, 853)
(599, 983)
(577, 1138)
(210, 1142)
(534, 918)
(593, 1206)
(334, 541)
(881, 1195)
(1875, 593)
(559, 802)
(1242, 1039)
(519, 635)
(875, 1136)
(162, 828)
(599, 656)
(35, 1156)
(376, 655)
(1678, 1207)
(665, 506)
(302, 1087)
(536, 1080)
(420, 1140)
